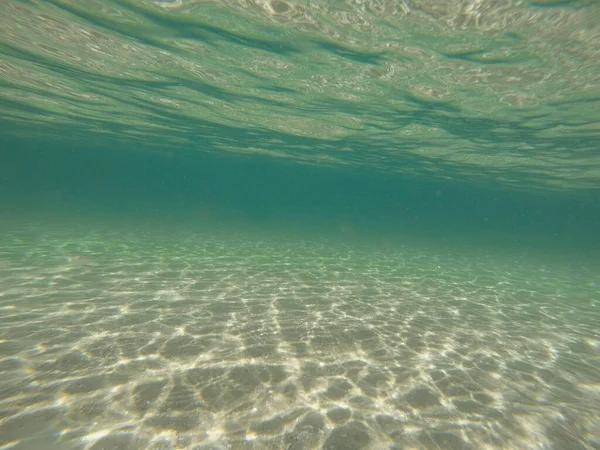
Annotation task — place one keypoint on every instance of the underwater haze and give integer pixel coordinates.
(294, 224)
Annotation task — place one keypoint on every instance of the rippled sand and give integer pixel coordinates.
(162, 339)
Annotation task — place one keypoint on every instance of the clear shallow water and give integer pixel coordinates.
(300, 225)
(173, 337)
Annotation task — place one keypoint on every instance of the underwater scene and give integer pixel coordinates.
(299, 224)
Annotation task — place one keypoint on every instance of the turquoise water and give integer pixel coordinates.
(299, 225)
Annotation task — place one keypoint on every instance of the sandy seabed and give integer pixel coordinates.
(152, 340)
